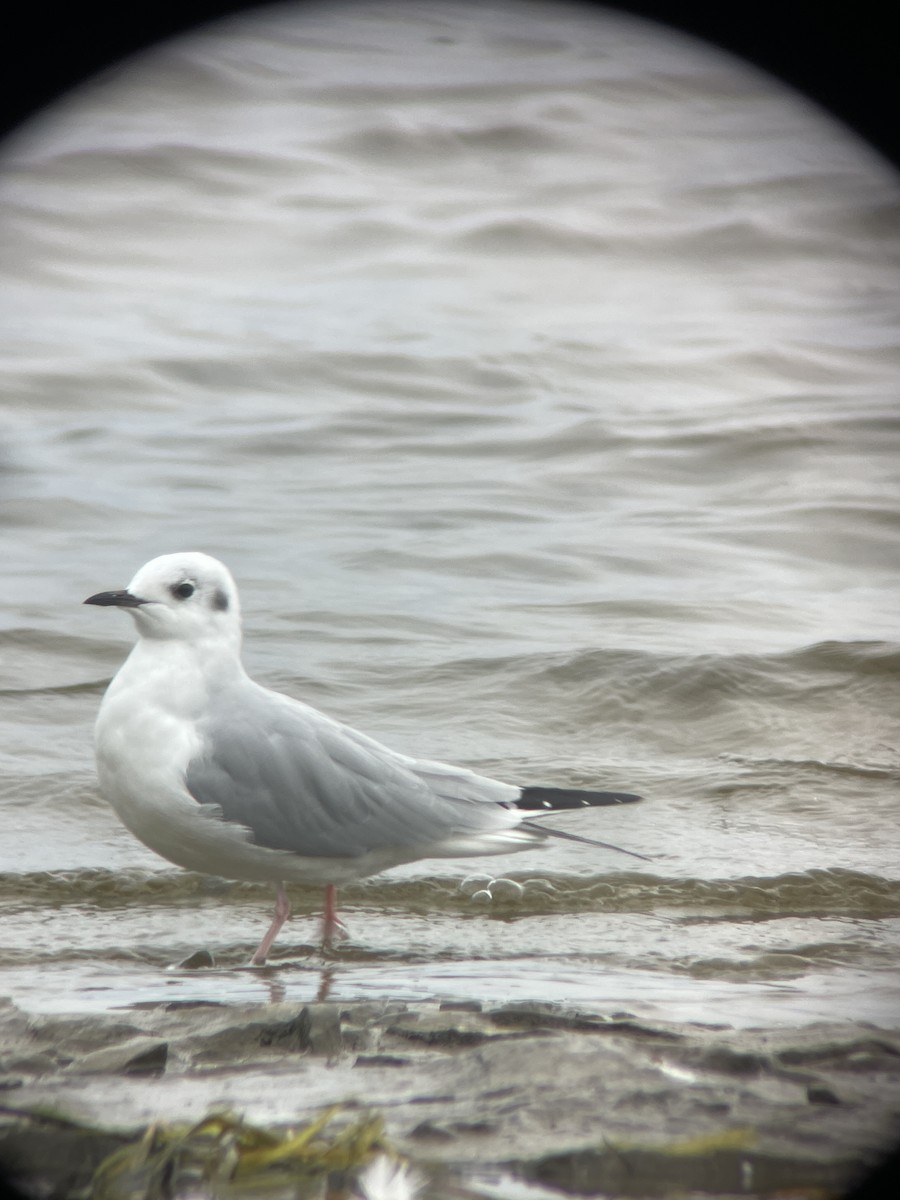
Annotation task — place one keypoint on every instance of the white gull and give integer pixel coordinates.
(220, 775)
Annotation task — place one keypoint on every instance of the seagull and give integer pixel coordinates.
(220, 775)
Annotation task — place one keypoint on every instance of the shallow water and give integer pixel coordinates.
(537, 378)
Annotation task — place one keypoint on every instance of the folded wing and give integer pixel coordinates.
(301, 782)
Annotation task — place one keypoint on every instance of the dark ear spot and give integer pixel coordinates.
(220, 600)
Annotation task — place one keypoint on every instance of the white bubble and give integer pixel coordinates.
(506, 889)
(538, 885)
(473, 883)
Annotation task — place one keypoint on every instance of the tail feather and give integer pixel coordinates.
(550, 799)
(574, 837)
(544, 801)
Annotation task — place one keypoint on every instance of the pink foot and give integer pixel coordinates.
(282, 912)
(332, 925)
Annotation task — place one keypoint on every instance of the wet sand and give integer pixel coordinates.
(515, 1100)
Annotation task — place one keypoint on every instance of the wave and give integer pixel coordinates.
(816, 893)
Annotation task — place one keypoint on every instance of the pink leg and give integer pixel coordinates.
(332, 925)
(282, 912)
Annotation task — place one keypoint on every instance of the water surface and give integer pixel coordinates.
(535, 372)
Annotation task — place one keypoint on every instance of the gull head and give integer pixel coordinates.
(188, 597)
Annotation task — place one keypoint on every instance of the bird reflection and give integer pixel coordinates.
(271, 978)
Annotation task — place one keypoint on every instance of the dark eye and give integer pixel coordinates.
(183, 590)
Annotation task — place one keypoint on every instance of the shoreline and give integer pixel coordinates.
(568, 1100)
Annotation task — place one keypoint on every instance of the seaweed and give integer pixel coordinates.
(225, 1155)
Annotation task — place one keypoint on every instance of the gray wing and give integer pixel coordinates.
(304, 783)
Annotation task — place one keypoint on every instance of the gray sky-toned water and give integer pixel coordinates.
(536, 376)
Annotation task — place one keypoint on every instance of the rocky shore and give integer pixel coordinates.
(524, 1100)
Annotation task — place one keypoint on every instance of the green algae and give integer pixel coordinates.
(232, 1157)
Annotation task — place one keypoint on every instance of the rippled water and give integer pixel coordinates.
(536, 375)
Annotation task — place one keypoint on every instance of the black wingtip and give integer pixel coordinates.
(548, 799)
